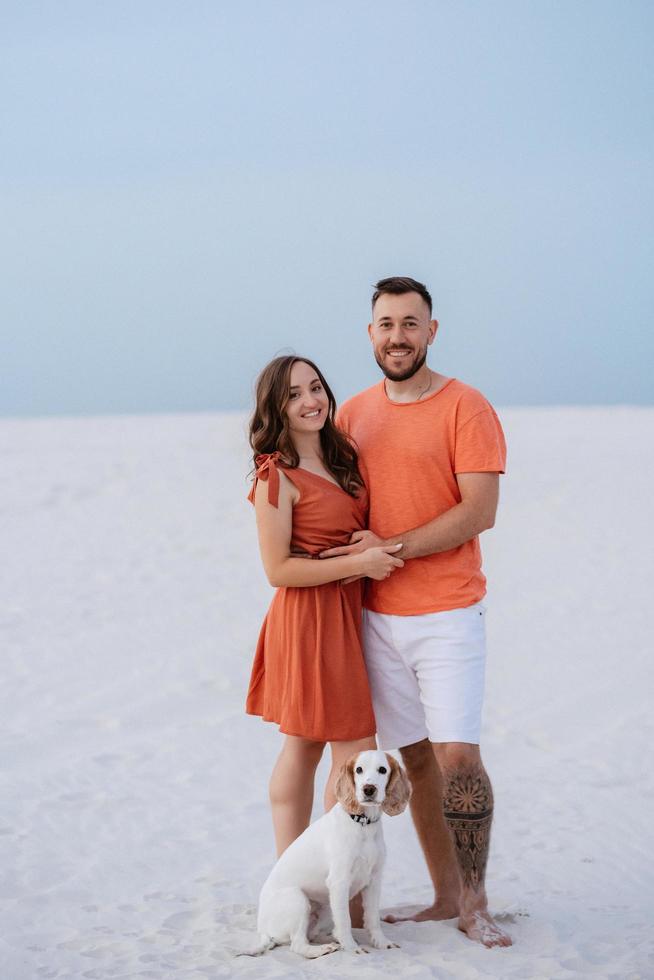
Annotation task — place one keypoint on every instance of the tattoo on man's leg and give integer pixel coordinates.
(468, 808)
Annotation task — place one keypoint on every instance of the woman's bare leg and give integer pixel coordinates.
(291, 788)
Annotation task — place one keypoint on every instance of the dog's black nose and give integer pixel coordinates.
(369, 790)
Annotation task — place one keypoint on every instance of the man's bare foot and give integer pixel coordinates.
(481, 928)
(441, 909)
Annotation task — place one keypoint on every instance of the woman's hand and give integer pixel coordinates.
(379, 563)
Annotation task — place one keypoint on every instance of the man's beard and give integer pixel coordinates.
(408, 372)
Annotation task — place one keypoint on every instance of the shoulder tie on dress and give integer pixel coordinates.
(266, 470)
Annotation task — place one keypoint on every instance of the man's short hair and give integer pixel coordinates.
(397, 285)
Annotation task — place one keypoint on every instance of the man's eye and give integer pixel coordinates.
(383, 770)
(359, 770)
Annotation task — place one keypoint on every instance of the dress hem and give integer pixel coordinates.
(313, 737)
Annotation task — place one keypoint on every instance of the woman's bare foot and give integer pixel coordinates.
(480, 927)
(441, 909)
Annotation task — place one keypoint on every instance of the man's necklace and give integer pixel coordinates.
(426, 389)
(423, 392)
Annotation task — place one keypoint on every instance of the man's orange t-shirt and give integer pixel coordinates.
(410, 454)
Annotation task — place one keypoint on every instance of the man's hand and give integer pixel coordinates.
(359, 541)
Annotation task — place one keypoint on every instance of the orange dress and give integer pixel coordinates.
(309, 674)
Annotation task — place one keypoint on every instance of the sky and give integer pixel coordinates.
(189, 189)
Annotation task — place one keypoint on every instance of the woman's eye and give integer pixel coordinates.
(383, 770)
(292, 395)
(359, 770)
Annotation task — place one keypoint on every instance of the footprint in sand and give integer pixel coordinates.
(180, 920)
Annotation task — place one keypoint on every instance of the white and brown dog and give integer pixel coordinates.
(338, 856)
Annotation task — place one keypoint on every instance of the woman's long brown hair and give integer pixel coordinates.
(269, 430)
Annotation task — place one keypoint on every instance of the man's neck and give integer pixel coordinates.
(424, 383)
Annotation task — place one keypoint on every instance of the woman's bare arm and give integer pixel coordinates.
(274, 527)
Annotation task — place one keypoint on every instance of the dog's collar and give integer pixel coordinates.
(362, 818)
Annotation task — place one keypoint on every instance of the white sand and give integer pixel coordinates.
(134, 823)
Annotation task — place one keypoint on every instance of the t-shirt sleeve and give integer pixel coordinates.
(480, 444)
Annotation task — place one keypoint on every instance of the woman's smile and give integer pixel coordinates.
(307, 400)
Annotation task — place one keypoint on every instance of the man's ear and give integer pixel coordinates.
(433, 327)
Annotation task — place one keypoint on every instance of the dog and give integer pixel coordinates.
(338, 856)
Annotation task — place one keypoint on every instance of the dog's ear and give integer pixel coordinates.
(345, 789)
(398, 789)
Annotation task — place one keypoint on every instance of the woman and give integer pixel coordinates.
(308, 674)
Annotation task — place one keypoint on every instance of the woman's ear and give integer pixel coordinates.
(398, 789)
(345, 789)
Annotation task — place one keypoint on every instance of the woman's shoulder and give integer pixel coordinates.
(266, 469)
(276, 471)
(264, 462)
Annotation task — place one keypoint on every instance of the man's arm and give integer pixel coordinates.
(474, 514)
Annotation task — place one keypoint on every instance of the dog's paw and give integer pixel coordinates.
(379, 941)
(352, 947)
(326, 948)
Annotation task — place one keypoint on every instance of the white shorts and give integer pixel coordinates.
(426, 675)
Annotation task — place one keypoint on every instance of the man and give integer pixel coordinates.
(432, 449)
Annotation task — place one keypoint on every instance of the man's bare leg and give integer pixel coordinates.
(468, 809)
(433, 833)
